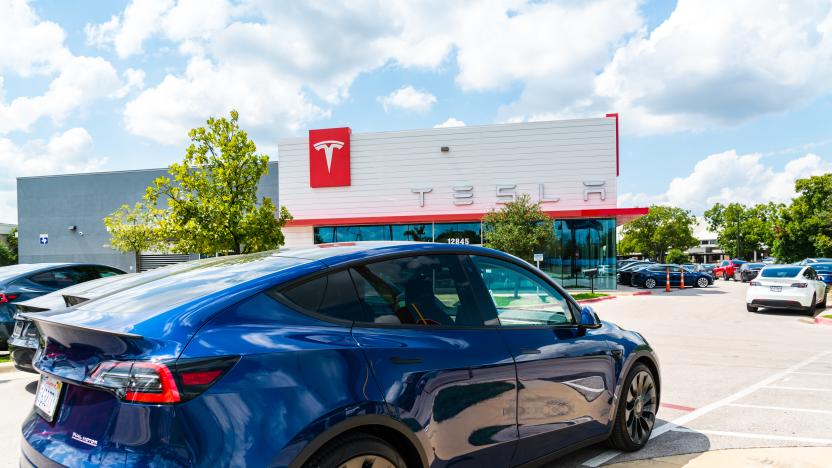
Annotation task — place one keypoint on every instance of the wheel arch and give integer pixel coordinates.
(647, 358)
(391, 430)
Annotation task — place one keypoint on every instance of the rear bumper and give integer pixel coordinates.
(31, 458)
(777, 304)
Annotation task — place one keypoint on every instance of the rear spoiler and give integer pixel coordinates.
(28, 308)
(39, 318)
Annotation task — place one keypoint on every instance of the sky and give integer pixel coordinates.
(718, 101)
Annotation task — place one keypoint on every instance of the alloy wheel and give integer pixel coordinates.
(702, 282)
(640, 407)
(367, 461)
(650, 283)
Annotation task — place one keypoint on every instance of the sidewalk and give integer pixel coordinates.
(791, 457)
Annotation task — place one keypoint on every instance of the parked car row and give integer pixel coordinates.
(646, 274)
(337, 355)
(796, 287)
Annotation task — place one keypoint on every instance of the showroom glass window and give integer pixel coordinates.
(579, 245)
(380, 232)
(520, 297)
(458, 233)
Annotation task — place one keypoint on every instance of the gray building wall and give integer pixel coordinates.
(50, 204)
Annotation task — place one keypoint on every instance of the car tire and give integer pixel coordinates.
(650, 283)
(635, 416)
(725, 275)
(367, 450)
(813, 305)
(750, 308)
(822, 305)
(702, 282)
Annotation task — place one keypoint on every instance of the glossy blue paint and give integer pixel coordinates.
(462, 396)
(691, 277)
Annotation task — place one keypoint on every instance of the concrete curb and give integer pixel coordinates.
(823, 321)
(642, 293)
(7, 367)
(596, 299)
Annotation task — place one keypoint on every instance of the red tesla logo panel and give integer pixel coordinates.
(329, 157)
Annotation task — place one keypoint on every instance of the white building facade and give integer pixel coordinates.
(437, 184)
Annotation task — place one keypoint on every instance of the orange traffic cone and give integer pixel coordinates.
(667, 280)
(682, 277)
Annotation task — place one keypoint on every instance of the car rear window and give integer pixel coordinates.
(11, 271)
(823, 268)
(783, 272)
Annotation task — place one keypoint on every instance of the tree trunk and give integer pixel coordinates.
(138, 261)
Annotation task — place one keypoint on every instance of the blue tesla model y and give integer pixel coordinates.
(341, 355)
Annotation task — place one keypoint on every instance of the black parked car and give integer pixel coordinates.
(748, 271)
(19, 283)
(625, 273)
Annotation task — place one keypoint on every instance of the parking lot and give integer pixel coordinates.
(731, 378)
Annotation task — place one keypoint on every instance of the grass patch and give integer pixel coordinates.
(4, 357)
(589, 295)
(829, 316)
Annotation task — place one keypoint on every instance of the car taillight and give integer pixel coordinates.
(754, 283)
(4, 298)
(799, 285)
(159, 383)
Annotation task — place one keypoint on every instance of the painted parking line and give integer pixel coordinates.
(780, 408)
(748, 435)
(610, 454)
(687, 409)
(827, 374)
(800, 389)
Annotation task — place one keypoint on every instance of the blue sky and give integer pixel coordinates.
(717, 102)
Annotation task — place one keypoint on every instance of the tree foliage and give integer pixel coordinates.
(8, 249)
(805, 227)
(742, 231)
(209, 203)
(678, 256)
(520, 228)
(662, 229)
(134, 229)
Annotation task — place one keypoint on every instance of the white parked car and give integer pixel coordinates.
(786, 287)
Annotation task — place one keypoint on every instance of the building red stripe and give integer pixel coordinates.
(621, 214)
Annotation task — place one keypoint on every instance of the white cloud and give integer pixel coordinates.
(728, 177)
(133, 80)
(62, 153)
(408, 98)
(715, 63)
(29, 45)
(451, 122)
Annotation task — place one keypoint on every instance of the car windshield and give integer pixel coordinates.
(738, 262)
(756, 266)
(780, 272)
(824, 268)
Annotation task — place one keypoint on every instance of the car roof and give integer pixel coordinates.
(13, 272)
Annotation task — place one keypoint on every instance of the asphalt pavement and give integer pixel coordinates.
(731, 380)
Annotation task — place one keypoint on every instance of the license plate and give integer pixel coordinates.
(776, 288)
(48, 396)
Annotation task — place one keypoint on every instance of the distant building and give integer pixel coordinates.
(708, 251)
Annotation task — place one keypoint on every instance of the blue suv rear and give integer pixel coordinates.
(377, 354)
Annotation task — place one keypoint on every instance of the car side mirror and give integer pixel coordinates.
(589, 319)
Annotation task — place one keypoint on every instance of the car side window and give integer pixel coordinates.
(426, 290)
(332, 295)
(810, 274)
(106, 272)
(44, 278)
(521, 297)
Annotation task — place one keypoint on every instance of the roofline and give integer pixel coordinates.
(122, 171)
(296, 139)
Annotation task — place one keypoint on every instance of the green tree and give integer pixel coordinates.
(211, 205)
(677, 256)
(663, 228)
(805, 228)
(134, 230)
(7, 257)
(11, 241)
(743, 231)
(520, 228)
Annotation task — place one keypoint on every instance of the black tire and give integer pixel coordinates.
(750, 308)
(623, 429)
(822, 305)
(368, 450)
(650, 283)
(814, 303)
(725, 275)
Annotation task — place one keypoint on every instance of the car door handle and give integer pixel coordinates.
(529, 351)
(405, 361)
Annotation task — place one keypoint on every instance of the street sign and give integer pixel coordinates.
(538, 257)
(44, 239)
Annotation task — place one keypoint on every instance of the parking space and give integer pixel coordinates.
(732, 379)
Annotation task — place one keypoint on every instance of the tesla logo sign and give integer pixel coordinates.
(329, 157)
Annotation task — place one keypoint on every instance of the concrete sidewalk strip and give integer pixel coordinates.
(803, 457)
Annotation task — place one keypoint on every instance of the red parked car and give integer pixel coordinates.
(726, 268)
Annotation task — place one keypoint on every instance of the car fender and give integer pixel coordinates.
(637, 354)
(347, 423)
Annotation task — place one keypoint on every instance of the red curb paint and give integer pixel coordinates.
(677, 407)
(597, 299)
(823, 321)
(642, 293)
